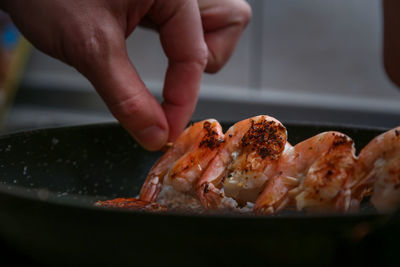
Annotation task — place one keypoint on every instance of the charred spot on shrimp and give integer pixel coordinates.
(205, 189)
(265, 137)
(341, 140)
(210, 139)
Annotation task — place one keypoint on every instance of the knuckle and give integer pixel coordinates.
(244, 12)
(131, 107)
(92, 46)
(213, 68)
(201, 56)
(86, 47)
(197, 56)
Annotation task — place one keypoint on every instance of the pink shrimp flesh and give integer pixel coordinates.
(244, 163)
(378, 172)
(182, 165)
(310, 175)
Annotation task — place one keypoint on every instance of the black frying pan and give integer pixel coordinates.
(50, 178)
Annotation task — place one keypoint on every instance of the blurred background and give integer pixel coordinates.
(308, 61)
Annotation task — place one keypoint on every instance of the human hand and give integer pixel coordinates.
(90, 36)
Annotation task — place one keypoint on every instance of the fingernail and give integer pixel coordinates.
(152, 138)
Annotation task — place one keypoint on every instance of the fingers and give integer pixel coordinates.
(181, 35)
(223, 23)
(131, 103)
(90, 36)
(108, 67)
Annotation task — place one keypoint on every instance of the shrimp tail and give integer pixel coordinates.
(184, 161)
(210, 196)
(151, 188)
(343, 201)
(275, 196)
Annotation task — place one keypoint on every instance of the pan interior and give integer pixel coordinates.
(83, 164)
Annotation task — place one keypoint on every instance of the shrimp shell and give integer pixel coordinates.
(183, 163)
(311, 174)
(238, 170)
(378, 172)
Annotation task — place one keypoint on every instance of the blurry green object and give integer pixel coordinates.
(14, 51)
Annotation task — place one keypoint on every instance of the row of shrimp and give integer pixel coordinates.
(254, 163)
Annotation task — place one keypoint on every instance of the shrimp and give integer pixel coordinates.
(378, 172)
(131, 204)
(244, 163)
(183, 163)
(310, 175)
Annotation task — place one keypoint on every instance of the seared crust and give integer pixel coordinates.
(132, 204)
(265, 137)
(211, 138)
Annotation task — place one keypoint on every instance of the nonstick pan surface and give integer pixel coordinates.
(50, 178)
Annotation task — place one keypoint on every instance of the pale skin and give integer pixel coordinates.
(90, 35)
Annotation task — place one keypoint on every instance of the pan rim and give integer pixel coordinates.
(22, 193)
(115, 123)
(31, 196)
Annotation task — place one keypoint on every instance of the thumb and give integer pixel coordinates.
(118, 83)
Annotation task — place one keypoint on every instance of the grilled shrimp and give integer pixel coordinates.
(131, 204)
(378, 172)
(244, 163)
(184, 162)
(311, 174)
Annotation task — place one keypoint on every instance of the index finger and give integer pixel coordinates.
(181, 35)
